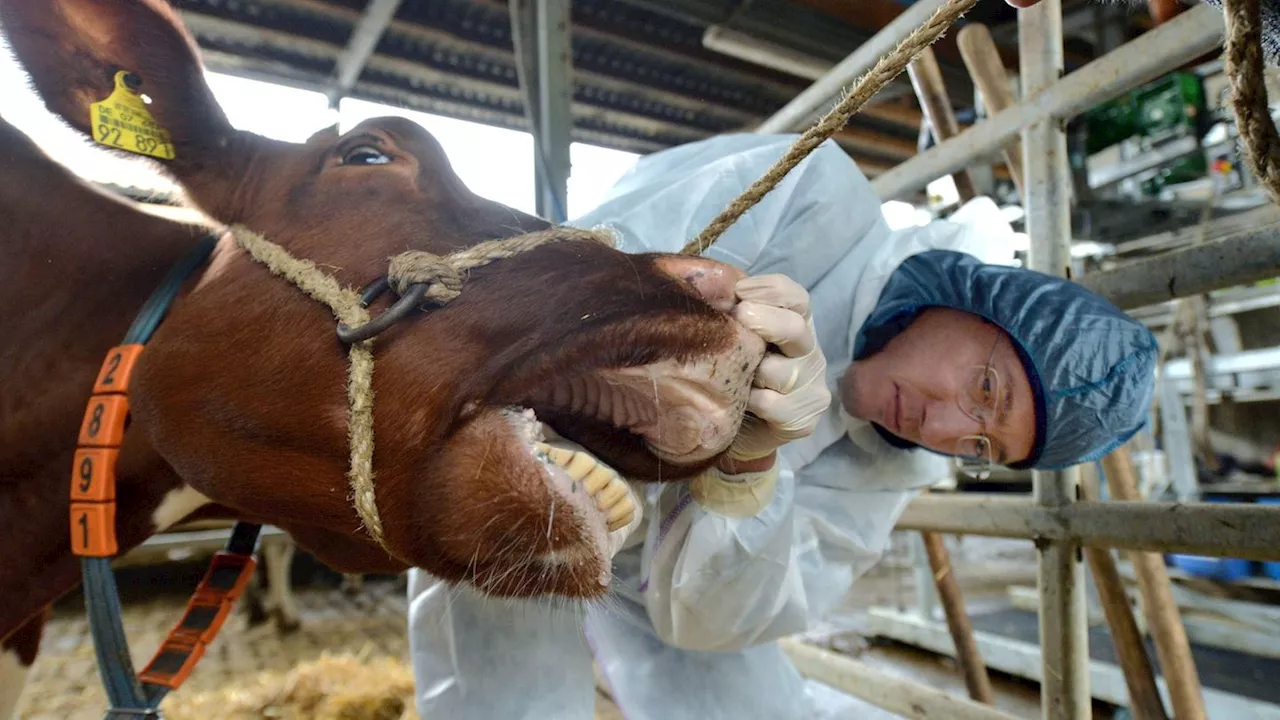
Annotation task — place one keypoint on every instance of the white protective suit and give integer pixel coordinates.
(700, 597)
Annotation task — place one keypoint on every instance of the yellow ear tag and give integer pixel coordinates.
(122, 121)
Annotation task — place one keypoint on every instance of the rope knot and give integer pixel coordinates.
(443, 276)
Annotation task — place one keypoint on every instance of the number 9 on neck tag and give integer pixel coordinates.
(122, 121)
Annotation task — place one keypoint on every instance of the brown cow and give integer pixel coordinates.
(239, 407)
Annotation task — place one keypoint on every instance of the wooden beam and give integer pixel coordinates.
(988, 75)
(1130, 649)
(870, 166)
(894, 693)
(875, 142)
(893, 113)
(976, 679)
(931, 92)
(1217, 529)
(1163, 618)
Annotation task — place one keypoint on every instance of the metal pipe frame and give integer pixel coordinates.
(364, 38)
(552, 103)
(1193, 33)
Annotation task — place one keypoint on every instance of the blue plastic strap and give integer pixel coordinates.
(126, 695)
(102, 605)
(157, 306)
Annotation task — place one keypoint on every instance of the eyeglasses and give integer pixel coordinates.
(975, 454)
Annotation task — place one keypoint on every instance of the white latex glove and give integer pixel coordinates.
(790, 391)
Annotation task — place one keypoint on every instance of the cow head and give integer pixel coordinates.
(242, 389)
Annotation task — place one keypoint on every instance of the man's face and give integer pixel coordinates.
(950, 376)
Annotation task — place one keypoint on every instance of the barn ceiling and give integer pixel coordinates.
(643, 79)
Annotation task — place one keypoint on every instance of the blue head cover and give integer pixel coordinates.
(1091, 367)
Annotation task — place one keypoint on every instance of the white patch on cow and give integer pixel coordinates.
(13, 676)
(176, 505)
(223, 252)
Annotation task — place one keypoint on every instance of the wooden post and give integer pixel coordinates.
(931, 91)
(967, 653)
(886, 690)
(1163, 618)
(987, 72)
(1144, 696)
(1064, 628)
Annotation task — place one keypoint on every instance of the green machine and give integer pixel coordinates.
(1162, 112)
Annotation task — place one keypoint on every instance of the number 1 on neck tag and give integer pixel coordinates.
(122, 121)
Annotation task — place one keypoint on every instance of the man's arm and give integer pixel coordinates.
(719, 561)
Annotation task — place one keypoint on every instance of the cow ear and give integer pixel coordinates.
(124, 72)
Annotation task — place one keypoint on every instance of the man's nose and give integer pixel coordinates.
(944, 424)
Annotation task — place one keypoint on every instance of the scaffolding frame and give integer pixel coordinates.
(1060, 520)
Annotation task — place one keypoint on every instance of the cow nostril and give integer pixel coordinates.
(714, 281)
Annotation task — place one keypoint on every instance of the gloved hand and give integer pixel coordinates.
(790, 390)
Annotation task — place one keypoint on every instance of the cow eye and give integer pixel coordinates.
(365, 155)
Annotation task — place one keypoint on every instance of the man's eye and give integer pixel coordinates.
(365, 155)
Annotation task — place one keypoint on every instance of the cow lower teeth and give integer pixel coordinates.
(601, 482)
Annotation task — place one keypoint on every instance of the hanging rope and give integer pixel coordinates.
(1249, 93)
(889, 67)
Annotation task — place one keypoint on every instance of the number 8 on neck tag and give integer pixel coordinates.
(122, 121)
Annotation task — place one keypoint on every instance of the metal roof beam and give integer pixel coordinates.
(415, 75)
(818, 96)
(364, 38)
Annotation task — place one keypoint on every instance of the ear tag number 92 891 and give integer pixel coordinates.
(122, 121)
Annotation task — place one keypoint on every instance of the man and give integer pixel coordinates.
(923, 344)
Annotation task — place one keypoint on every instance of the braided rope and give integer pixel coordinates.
(442, 274)
(888, 67)
(345, 305)
(1249, 93)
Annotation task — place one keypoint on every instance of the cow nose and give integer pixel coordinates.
(713, 280)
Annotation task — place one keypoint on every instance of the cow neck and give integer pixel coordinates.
(418, 277)
(93, 531)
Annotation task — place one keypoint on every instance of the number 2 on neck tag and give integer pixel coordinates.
(122, 121)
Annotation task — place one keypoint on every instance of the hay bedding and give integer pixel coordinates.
(342, 686)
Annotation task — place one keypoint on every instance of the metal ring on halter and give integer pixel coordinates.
(374, 290)
(412, 297)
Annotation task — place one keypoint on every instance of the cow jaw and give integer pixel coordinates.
(687, 412)
(576, 486)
